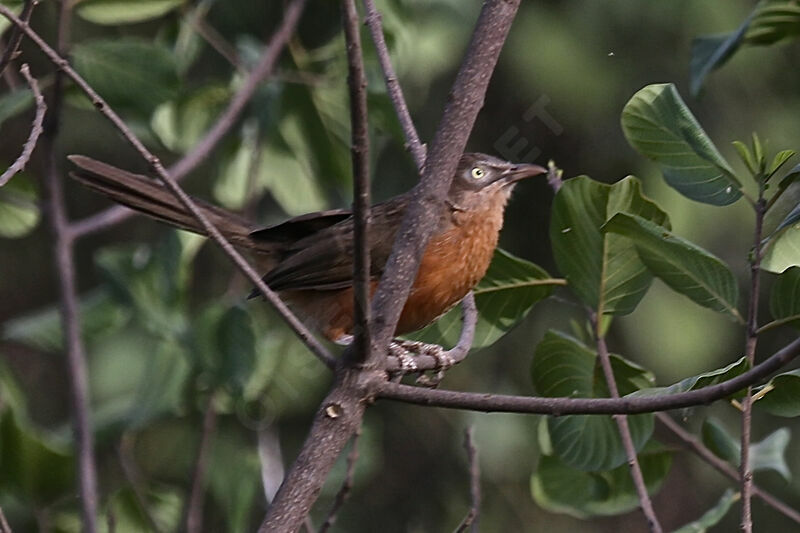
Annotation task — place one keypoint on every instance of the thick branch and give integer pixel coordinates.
(587, 406)
(221, 127)
(413, 144)
(347, 485)
(357, 83)
(419, 222)
(297, 326)
(36, 128)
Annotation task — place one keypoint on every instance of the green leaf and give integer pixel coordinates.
(562, 367)
(783, 249)
(713, 516)
(778, 161)
(782, 396)
(163, 505)
(685, 267)
(19, 207)
(33, 467)
(129, 73)
(15, 102)
(746, 156)
(100, 314)
(774, 21)
(784, 302)
(790, 177)
(505, 296)
(16, 7)
(559, 488)
(181, 124)
(699, 381)
(710, 52)
(768, 454)
(234, 478)
(719, 441)
(658, 124)
(603, 269)
(113, 12)
(236, 348)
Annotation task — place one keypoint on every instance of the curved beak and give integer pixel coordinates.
(515, 173)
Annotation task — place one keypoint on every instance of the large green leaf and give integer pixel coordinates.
(783, 250)
(504, 296)
(113, 12)
(710, 52)
(660, 126)
(559, 488)
(564, 367)
(712, 516)
(685, 267)
(699, 381)
(784, 302)
(781, 396)
(19, 207)
(603, 269)
(774, 21)
(129, 73)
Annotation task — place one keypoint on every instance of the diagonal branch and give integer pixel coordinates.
(12, 49)
(297, 326)
(228, 118)
(413, 144)
(36, 128)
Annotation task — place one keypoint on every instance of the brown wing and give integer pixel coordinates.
(323, 260)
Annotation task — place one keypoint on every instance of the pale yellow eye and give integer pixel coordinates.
(478, 173)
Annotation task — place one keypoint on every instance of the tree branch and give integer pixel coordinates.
(471, 520)
(69, 308)
(413, 144)
(466, 99)
(202, 150)
(4, 527)
(297, 326)
(625, 434)
(36, 128)
(750, 353)
(347, 485)
(194, 507)
(357, 84)
(12, 50)
(602, 406)
(696, 446)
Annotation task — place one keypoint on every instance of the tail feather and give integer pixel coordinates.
(147, 196)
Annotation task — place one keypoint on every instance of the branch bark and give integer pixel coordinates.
(36, 128)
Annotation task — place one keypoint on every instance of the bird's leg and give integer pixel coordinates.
(405, 350)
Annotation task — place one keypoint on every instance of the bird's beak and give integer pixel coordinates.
(514, 173)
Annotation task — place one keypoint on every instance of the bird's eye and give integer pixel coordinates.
(478, 173)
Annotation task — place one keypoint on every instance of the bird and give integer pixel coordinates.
(308, 259)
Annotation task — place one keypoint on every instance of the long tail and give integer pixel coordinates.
(147, 196)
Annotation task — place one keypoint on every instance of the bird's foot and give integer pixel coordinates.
(406, 351)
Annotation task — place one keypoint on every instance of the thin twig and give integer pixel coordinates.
(347, 485)
(750, 353)
(625, 433)
(65, 266)
(587, 406)
(471, 520)
(357, 84)
(413, 144)
(12, 49)
(4, 527)
(36, 128)
(209, 33)
(228, 118)
(194, 508)
(697, 447)
(134, 478)
(297, 326)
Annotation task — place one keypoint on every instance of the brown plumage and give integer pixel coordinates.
(308, 259)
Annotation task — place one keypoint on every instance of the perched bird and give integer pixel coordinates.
(308, 259)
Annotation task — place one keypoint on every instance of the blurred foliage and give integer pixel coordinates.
(170, 336)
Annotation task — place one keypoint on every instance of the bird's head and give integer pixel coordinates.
(480, 176)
